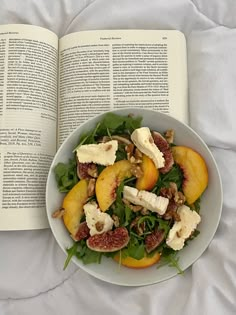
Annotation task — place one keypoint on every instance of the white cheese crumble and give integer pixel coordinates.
(143, 140)
(97, 221)
(101, 153)
(146, 199)
(182, 229)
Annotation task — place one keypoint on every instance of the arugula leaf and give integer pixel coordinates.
(88, 138)
(136, 249)
(169, 257)
(70, 253)
(91, 256)
(121, 153)
(66, 175)
(128, 216)
(196, 205)
(174, 175)
(192, 236)
(117, 124)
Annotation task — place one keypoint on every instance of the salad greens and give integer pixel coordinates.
(66, 177)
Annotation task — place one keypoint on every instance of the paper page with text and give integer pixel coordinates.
(102, 70)
(28, 122)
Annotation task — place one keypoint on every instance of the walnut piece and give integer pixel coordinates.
(169, 135)
(91, 187)
(58, 213)
(116, 220)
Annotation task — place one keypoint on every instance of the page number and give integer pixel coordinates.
(164, 37)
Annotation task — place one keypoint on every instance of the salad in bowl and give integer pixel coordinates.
(131, 195)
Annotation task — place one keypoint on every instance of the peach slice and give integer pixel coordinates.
(73, 205)
(108, 181)
(150, 174)
(135, 263)
(194, 170)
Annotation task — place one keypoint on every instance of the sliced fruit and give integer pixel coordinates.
(164, 147)
(108, 181)
(194, 171)
(83, 231)
(135, 263)
(154, 239)
(73, 205)
(110, 241)
(150, 174)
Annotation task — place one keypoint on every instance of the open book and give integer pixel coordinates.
(48, 86)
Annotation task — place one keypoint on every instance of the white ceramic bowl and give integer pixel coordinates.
(211, 203)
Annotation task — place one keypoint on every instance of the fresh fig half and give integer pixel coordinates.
(164, 147)
(110, 241)
(83, 232)
(153, 240)
(86, 170)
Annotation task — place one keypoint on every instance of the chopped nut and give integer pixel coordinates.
(135, 208)
(129, 150)
(134, 222)
(169, 192)
(132, 159)
(132, 207)
(169, 135)
(116, 220)
(179, 198)
(138, 156)
(93, 171)
(136, 171)
(91, 187)
(138, 228)
(58, 213)
(145, 211)
(99, 226)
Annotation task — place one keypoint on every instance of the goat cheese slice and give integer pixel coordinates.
(143, 140)
(146, 199)
(101, 153)
(182, 229)
(97, 221)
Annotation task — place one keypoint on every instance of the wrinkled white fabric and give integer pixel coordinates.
(31, 276)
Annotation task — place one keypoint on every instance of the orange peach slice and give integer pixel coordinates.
(135, 263)
(150, 174)
(73, 205)
(108, 181)
(194, 170)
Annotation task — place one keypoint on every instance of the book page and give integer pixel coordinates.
(28, 123)
(102, 70)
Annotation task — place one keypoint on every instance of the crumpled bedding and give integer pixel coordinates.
(31, 276)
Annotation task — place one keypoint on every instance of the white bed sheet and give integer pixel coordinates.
(31, 276)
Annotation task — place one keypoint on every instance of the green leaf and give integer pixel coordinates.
(117, 124)
(70, 253)
(196, 205)
(174, 175)
(169, 258)
(136, 250)
(121, 153)
(66, 175)
(91, 256)
(128, 216)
